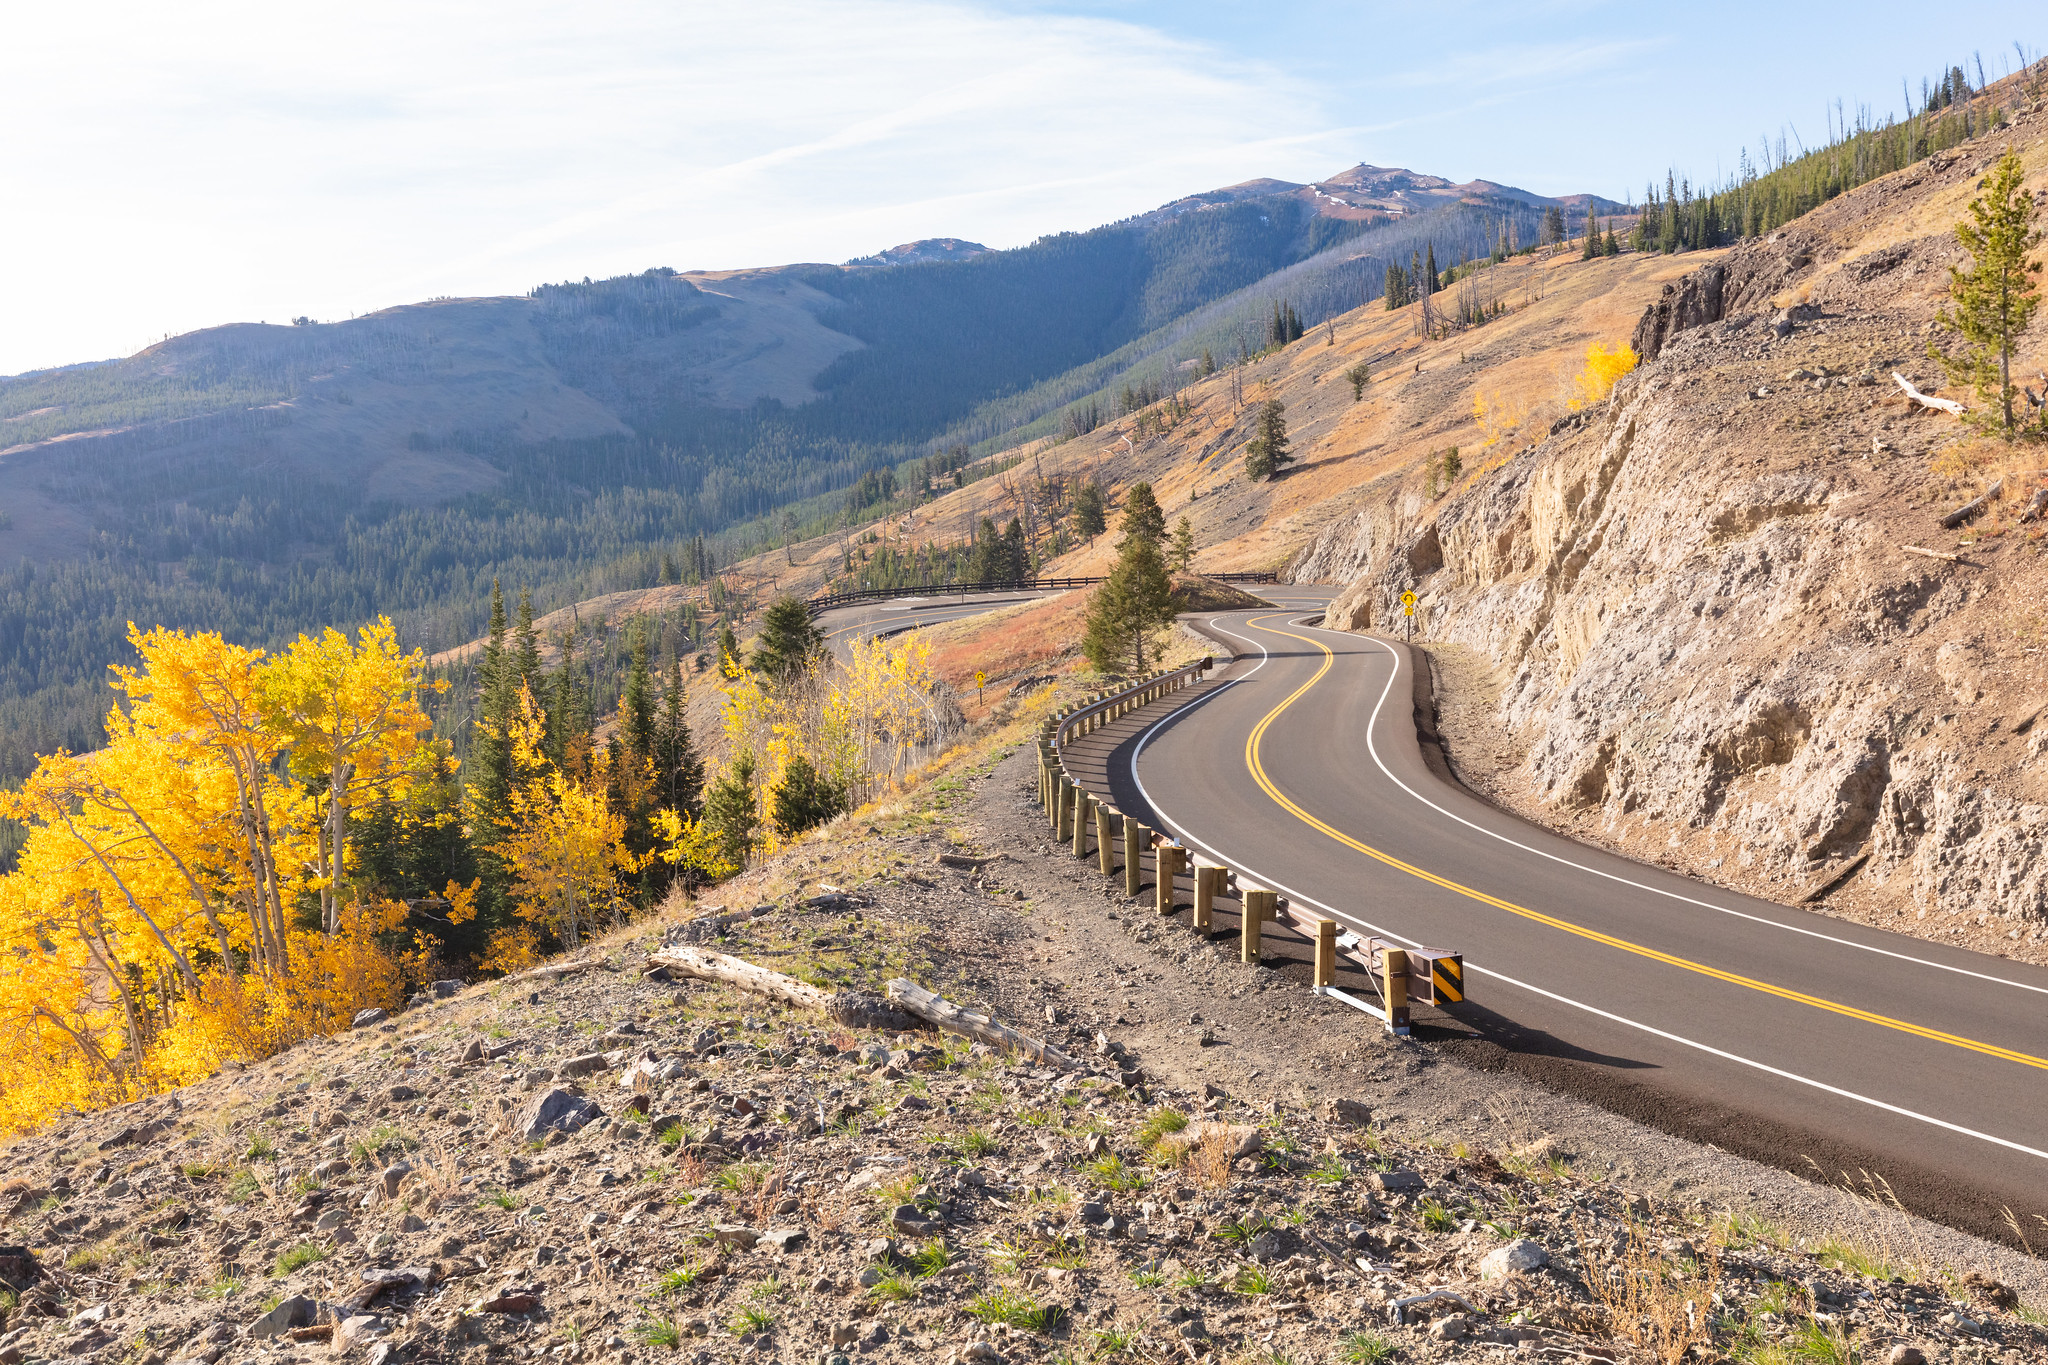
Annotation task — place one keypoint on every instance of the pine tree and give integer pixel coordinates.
(490, 749)
(1592, 234)
(1183, 544)
(806, 798)
(730, 658)
(1090, 518)
(636, 702)
(1208, 363)
(1142, 518)
(525, 654)
(1127, 611)
(1360, 375)
(678, 772)
(732, 812)
(1016, 553)
(789, 639)
(1993, 301)
(1267, 454)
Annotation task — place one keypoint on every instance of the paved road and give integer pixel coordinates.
(1775, 1032)
(894, 615)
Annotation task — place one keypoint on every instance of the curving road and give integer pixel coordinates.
(1774, 1032)
(895, 615)
(1799, 1040)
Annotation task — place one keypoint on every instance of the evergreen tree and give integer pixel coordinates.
(1208, 363)
(1090, 518)
(1360, 375)
(1183, 544)
(789, 640)
(678, 772)
(1016, 553)
(1611, 247)
(1267, 454)
(570, 710)
(1129, 609)
(490, 749)
(732, 812)
(1276, 330)
(1430, 283)
(1142, 518)
(1592, 234)
(636, 701)
(1993, 301)
(525, 654)
(807, 798)
(729, 655)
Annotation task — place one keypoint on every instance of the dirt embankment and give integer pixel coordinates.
(1699, 624)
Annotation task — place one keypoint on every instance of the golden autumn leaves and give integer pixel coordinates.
(150, 930)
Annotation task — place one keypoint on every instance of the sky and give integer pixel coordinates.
(172, 167)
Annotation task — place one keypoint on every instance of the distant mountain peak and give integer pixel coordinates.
(918, 252)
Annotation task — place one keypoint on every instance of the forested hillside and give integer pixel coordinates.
(261, 479)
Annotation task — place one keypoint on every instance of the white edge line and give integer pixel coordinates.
(1372, 748)
(1146, 738)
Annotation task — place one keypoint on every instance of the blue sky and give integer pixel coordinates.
(175, 167)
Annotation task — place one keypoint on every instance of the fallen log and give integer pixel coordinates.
(2038, 508)
(1928, 400)
(1969, 510)
(853, 1009)
(1931, 554)
(944, 1014)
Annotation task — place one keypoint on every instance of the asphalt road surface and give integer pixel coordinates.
(892, 616)
(1804, 1041)
(1823, 1047)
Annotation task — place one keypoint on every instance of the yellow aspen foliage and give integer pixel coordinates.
(690, 846)
(148, 934)
(1498, 417)
(564, 842)
(351, 719)
(1604, 369)
(513, 948)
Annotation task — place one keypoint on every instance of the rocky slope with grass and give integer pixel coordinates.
(1730, 620)
(590, 1162)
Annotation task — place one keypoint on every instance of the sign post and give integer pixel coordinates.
(979, 678)
(1408, 611)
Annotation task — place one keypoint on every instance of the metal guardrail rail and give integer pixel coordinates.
(839, 599)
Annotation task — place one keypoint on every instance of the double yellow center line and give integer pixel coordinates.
(1258, 771)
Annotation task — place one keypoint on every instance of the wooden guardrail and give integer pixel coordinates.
(827, 602)
(1397, 975)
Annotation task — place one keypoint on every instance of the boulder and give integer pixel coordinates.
(297, 1311)
(1398, 1181)
(365, 1018)
(584, 1065)
(1516, 1258)
(912, 1221)
(554, 1110)
(1356, 1113)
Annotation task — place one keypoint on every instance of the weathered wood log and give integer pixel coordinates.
(1927, 400)
(951, 1018)
(2038, 508)
(1969, 510)
(853, 1009)
(1931, 554)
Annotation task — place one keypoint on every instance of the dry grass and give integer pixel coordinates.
(1665, 1306)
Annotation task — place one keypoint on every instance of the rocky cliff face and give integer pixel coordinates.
(1717, 650)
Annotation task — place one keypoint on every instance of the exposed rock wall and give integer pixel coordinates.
(1711, 634)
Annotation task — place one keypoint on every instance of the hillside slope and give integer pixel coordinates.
(1688, 623)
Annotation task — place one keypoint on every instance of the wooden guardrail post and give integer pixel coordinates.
(1062, 827)
(1326, 952)
(1167, 858)
(1208, 881)
(1105, 839)
(1082, 802)
(1394, 964)
(1135, 838)
(1259, 906)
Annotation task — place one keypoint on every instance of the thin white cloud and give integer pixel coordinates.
(195, 164)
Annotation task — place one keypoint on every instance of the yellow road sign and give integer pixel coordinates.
(1407, 611)
(979, 677)
(1408, 599)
